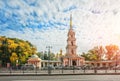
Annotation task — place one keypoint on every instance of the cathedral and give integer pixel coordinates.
(71, 58)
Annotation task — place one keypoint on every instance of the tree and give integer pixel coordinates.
(101, 53)
(5, 53)
(45, 55)
(111, 51)
(9, 46)
(86, 56)
(52, 56)
(13, 58)
(95, 54)
(40, 55)
(92, 54)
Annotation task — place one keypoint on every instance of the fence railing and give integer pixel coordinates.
(56, 71)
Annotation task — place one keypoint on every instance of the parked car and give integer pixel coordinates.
(16, 67)
(28, 67)
(50, 67)
(72, 68)
(102, 68)
(59, 67)
(87, 67)
(116, 67)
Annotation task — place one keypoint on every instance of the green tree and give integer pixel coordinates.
(45, 55)
(52, 56)
(86, 56)
(40, 55)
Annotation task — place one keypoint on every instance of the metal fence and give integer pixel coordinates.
(4, 71)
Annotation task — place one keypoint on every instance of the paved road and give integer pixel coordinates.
(62, 78)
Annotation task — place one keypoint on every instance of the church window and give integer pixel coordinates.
(72, 43)
(72, 51)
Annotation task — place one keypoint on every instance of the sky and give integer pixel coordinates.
(46, 22)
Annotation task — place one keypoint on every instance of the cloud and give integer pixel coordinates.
(1, 4)
(46, 22)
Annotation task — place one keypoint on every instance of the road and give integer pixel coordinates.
(62, 78)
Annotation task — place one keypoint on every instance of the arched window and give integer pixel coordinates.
(72, 43)
(72, 51)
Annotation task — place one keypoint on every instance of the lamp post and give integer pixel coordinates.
(49, 69)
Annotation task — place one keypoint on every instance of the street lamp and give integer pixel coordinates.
(49, 70)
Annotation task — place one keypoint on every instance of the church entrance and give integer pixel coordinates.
(74, 63)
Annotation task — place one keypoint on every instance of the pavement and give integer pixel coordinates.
(59, 75)
(62, 78)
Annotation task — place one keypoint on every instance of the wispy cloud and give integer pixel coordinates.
(46, 22)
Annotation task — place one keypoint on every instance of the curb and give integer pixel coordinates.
(59, 74)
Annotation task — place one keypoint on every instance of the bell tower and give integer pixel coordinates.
(71, 41)
(71, 58)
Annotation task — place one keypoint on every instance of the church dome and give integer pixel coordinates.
(34, 56)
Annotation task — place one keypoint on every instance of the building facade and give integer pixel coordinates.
(35, 60)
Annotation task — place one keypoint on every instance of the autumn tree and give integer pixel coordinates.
(100, 52)
(9, 47)
(111, 51)
(14, 58)
(95, 54)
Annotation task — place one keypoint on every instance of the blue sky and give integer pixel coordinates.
(46, 22)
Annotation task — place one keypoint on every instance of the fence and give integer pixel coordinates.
(4, 71)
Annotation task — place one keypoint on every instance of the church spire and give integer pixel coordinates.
(70, 21)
